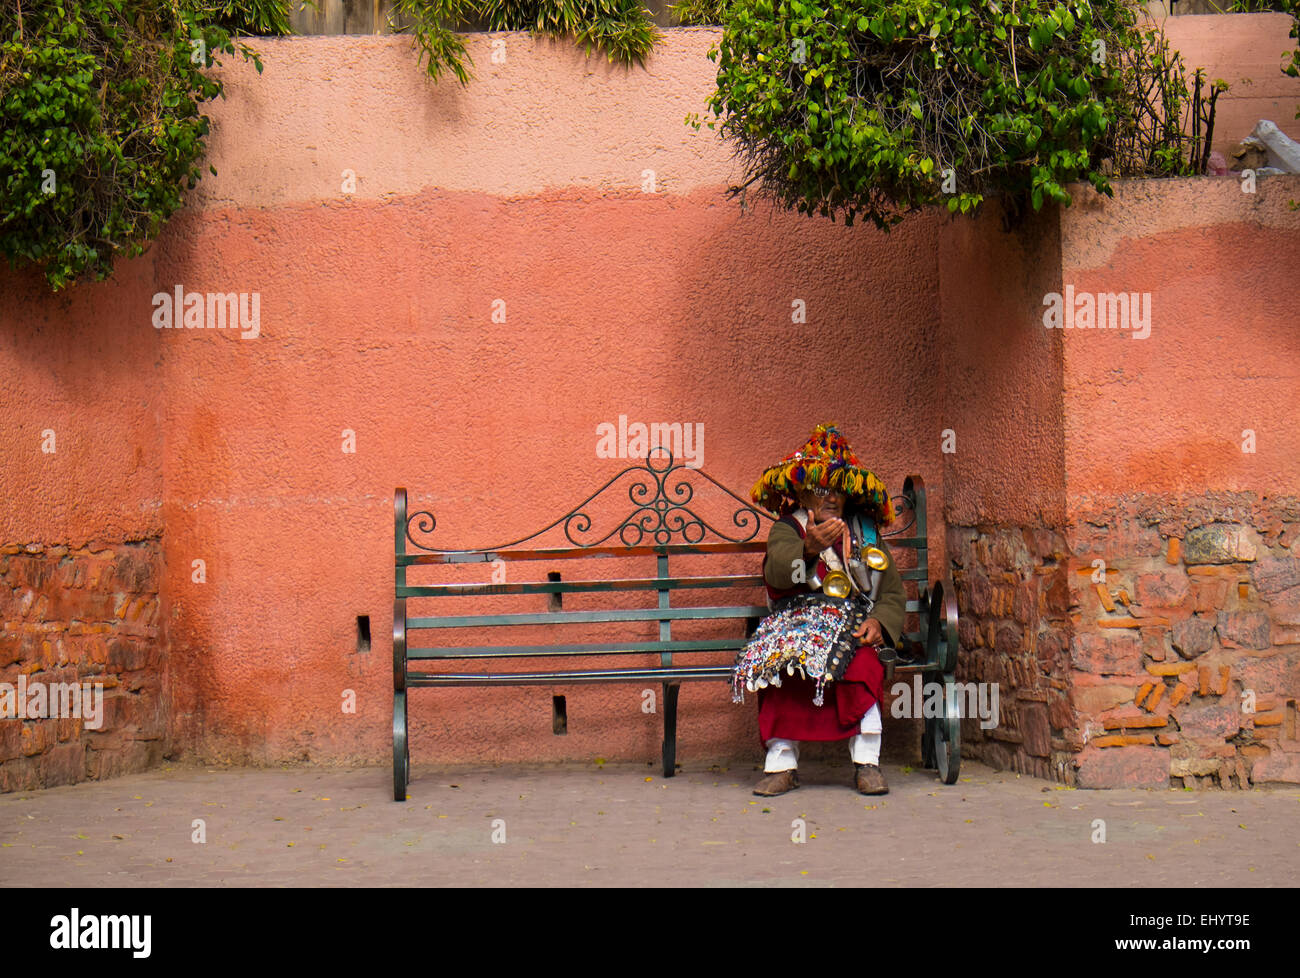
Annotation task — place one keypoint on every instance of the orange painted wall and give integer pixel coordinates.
(636, 306)
(1001, 376)
(376, 317)
(73, 364)
(1166, 414)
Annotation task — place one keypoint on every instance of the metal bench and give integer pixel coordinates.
(662, 526)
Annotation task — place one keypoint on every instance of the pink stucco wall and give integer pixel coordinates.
(616, 305)
(376, 316)
(1001, 377)
(1165, 414)
(69, 365)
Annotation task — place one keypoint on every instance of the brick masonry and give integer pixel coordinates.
(86, 615)
(1153, 643)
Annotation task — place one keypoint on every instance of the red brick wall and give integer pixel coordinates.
(85, 615)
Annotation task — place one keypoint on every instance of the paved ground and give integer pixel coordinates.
(624, 825)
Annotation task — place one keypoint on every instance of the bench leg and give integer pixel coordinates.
(670, 728)
(401, 753)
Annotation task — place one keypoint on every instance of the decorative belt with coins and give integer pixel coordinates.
(812, 633)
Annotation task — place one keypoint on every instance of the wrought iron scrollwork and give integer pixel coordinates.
(901, 503)
(661, 495)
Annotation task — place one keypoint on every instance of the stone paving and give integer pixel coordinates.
(589, 825)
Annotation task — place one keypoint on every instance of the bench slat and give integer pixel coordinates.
(589, 648)
(651, 675)
(595, 587)
(580, 587)
(580, 617)
(578, 553)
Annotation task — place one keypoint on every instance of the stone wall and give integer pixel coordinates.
(1186, 653)
(1151, 645)
(1014, 630)
(88, 616)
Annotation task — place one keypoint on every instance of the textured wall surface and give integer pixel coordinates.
(1183, 463)
(80, 663)
(542, 252)
(1167, 413)
(377, 317)
(80, 389)
(1004, 478)
(81, 516)
(638, 306)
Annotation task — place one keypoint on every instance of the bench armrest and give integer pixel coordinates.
(938, 617)
(399, 645)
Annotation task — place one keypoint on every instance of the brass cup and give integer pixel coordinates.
(836, 585)
(875, 558)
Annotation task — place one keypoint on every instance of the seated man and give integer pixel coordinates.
(825, 497)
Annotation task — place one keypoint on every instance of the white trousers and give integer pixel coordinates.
(864, 746)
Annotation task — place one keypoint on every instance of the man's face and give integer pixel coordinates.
(823, 507)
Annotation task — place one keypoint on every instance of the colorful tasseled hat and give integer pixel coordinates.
(824, 460)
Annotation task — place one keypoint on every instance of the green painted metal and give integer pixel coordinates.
(941, 739)
(579, 553)
(665, 622)
(589, 648)
(670, 728)
(399, 543)
(399, 644)
(582, 587)
(401, 752)
(656, 674)
(662, 614)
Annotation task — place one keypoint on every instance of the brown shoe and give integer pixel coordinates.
(778, 783)
(870, 780)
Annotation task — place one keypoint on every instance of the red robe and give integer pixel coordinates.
(787, 711)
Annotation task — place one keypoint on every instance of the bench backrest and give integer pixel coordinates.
(692, 557)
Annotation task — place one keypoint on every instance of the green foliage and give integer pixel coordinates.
(623, 29)
(1252, 6)
(873, 108)
(1291, 65)
(697, 12)
(263, 18)
(100, 129)
(1162, 129)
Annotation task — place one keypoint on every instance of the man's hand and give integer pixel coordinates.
(822, 535)
(869, 632)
